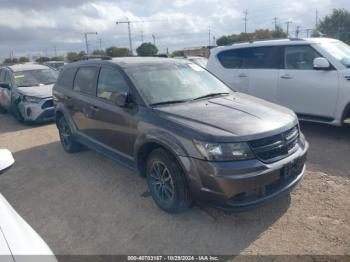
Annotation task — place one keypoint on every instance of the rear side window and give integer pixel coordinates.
(299, 57)
(66, 78)
(269, 57)
(110, 83)
(232, 58)
(85, 80)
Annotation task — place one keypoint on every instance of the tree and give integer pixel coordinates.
(99, 52)
(23, 59)
(336, 25)
(57, 58)
(72, 56)
(279, 32)
(178, 53)
(10, 61)
(147, 49)
(42, 59)
(117, 52)
(259, 34)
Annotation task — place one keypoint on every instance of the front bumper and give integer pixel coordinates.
(44, 111)
(243, 185)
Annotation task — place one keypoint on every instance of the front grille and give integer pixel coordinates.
(47, 104)
(275, 147)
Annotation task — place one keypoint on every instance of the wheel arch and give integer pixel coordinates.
(346, 113)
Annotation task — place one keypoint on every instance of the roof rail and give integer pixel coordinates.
(92, 57)
(261, 40)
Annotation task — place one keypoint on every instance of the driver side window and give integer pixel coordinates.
(299, 57)
(110, 83)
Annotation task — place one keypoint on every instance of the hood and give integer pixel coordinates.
(236, 117)
(41, 91)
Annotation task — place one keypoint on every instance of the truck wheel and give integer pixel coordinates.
(67, 140)
(167, 183)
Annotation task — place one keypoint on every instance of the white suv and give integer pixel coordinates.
(310, 76)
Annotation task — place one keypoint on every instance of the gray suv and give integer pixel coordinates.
(26, 91)
(191, 136)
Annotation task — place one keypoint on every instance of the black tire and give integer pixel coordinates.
(18, 115)
(168, 187)
(66, 136)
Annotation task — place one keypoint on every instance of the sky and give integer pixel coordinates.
(38, 27)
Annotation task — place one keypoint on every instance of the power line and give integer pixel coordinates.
(245, 20)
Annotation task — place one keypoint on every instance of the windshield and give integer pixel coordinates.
(174, 82)
(35, 77)
(339, 50)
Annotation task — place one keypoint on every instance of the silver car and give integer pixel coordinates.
(26, 91)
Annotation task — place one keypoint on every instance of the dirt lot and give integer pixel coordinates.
(87, 204)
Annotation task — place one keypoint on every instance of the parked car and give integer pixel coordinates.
(18, 240)
(199, 60)
(190, 135)
(310, 76)
(58, 65)
(26, 91)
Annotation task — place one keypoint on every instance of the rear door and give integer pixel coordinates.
(80, 101)
(262, 65)
(303, 89)
(114, 126)
(229, 68)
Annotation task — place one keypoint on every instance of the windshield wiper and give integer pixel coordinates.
(211, 95)
(169, 102)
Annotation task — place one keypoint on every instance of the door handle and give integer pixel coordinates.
(94, 108)
(242, 75)
(286, 76)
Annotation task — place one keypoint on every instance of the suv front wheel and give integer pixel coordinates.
(167, 182)
(66, 136)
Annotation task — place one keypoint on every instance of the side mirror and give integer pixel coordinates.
(121, 99)
(321, 63)
(6, 160)
(5, 85)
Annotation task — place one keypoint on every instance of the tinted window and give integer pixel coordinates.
(85, 80)
(110, 83)
(299, 57)
(232, 58)
(66, 77)
(7, 78)
(269, 57)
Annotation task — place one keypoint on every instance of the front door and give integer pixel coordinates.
(114, 126)
(5, 93)
(303, 89)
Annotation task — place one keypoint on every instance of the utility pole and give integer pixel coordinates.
(245, 20)
(209, 38)
(141, 36)
(288, 23)
(86, 40)
(275, 22)
(297, 31)
(129, 32)
(214, 40)
(308, 32)
(154, 39)
(316, 18)
(100, 43)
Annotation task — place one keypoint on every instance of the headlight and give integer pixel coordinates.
(31, 99)
(224, 151)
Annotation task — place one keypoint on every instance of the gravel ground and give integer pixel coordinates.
(87, 204)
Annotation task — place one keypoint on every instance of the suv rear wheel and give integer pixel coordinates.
(167, 183)
(66, 136)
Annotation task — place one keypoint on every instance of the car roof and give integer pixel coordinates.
(275, 42)
(26, 67)
(126, 62)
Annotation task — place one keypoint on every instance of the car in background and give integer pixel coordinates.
(310, 76)
(190, 135)
(26, 91)
(18, 240)
(199, 60)
(58, 65)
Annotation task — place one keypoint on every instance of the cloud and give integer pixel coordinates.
(36, 25)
